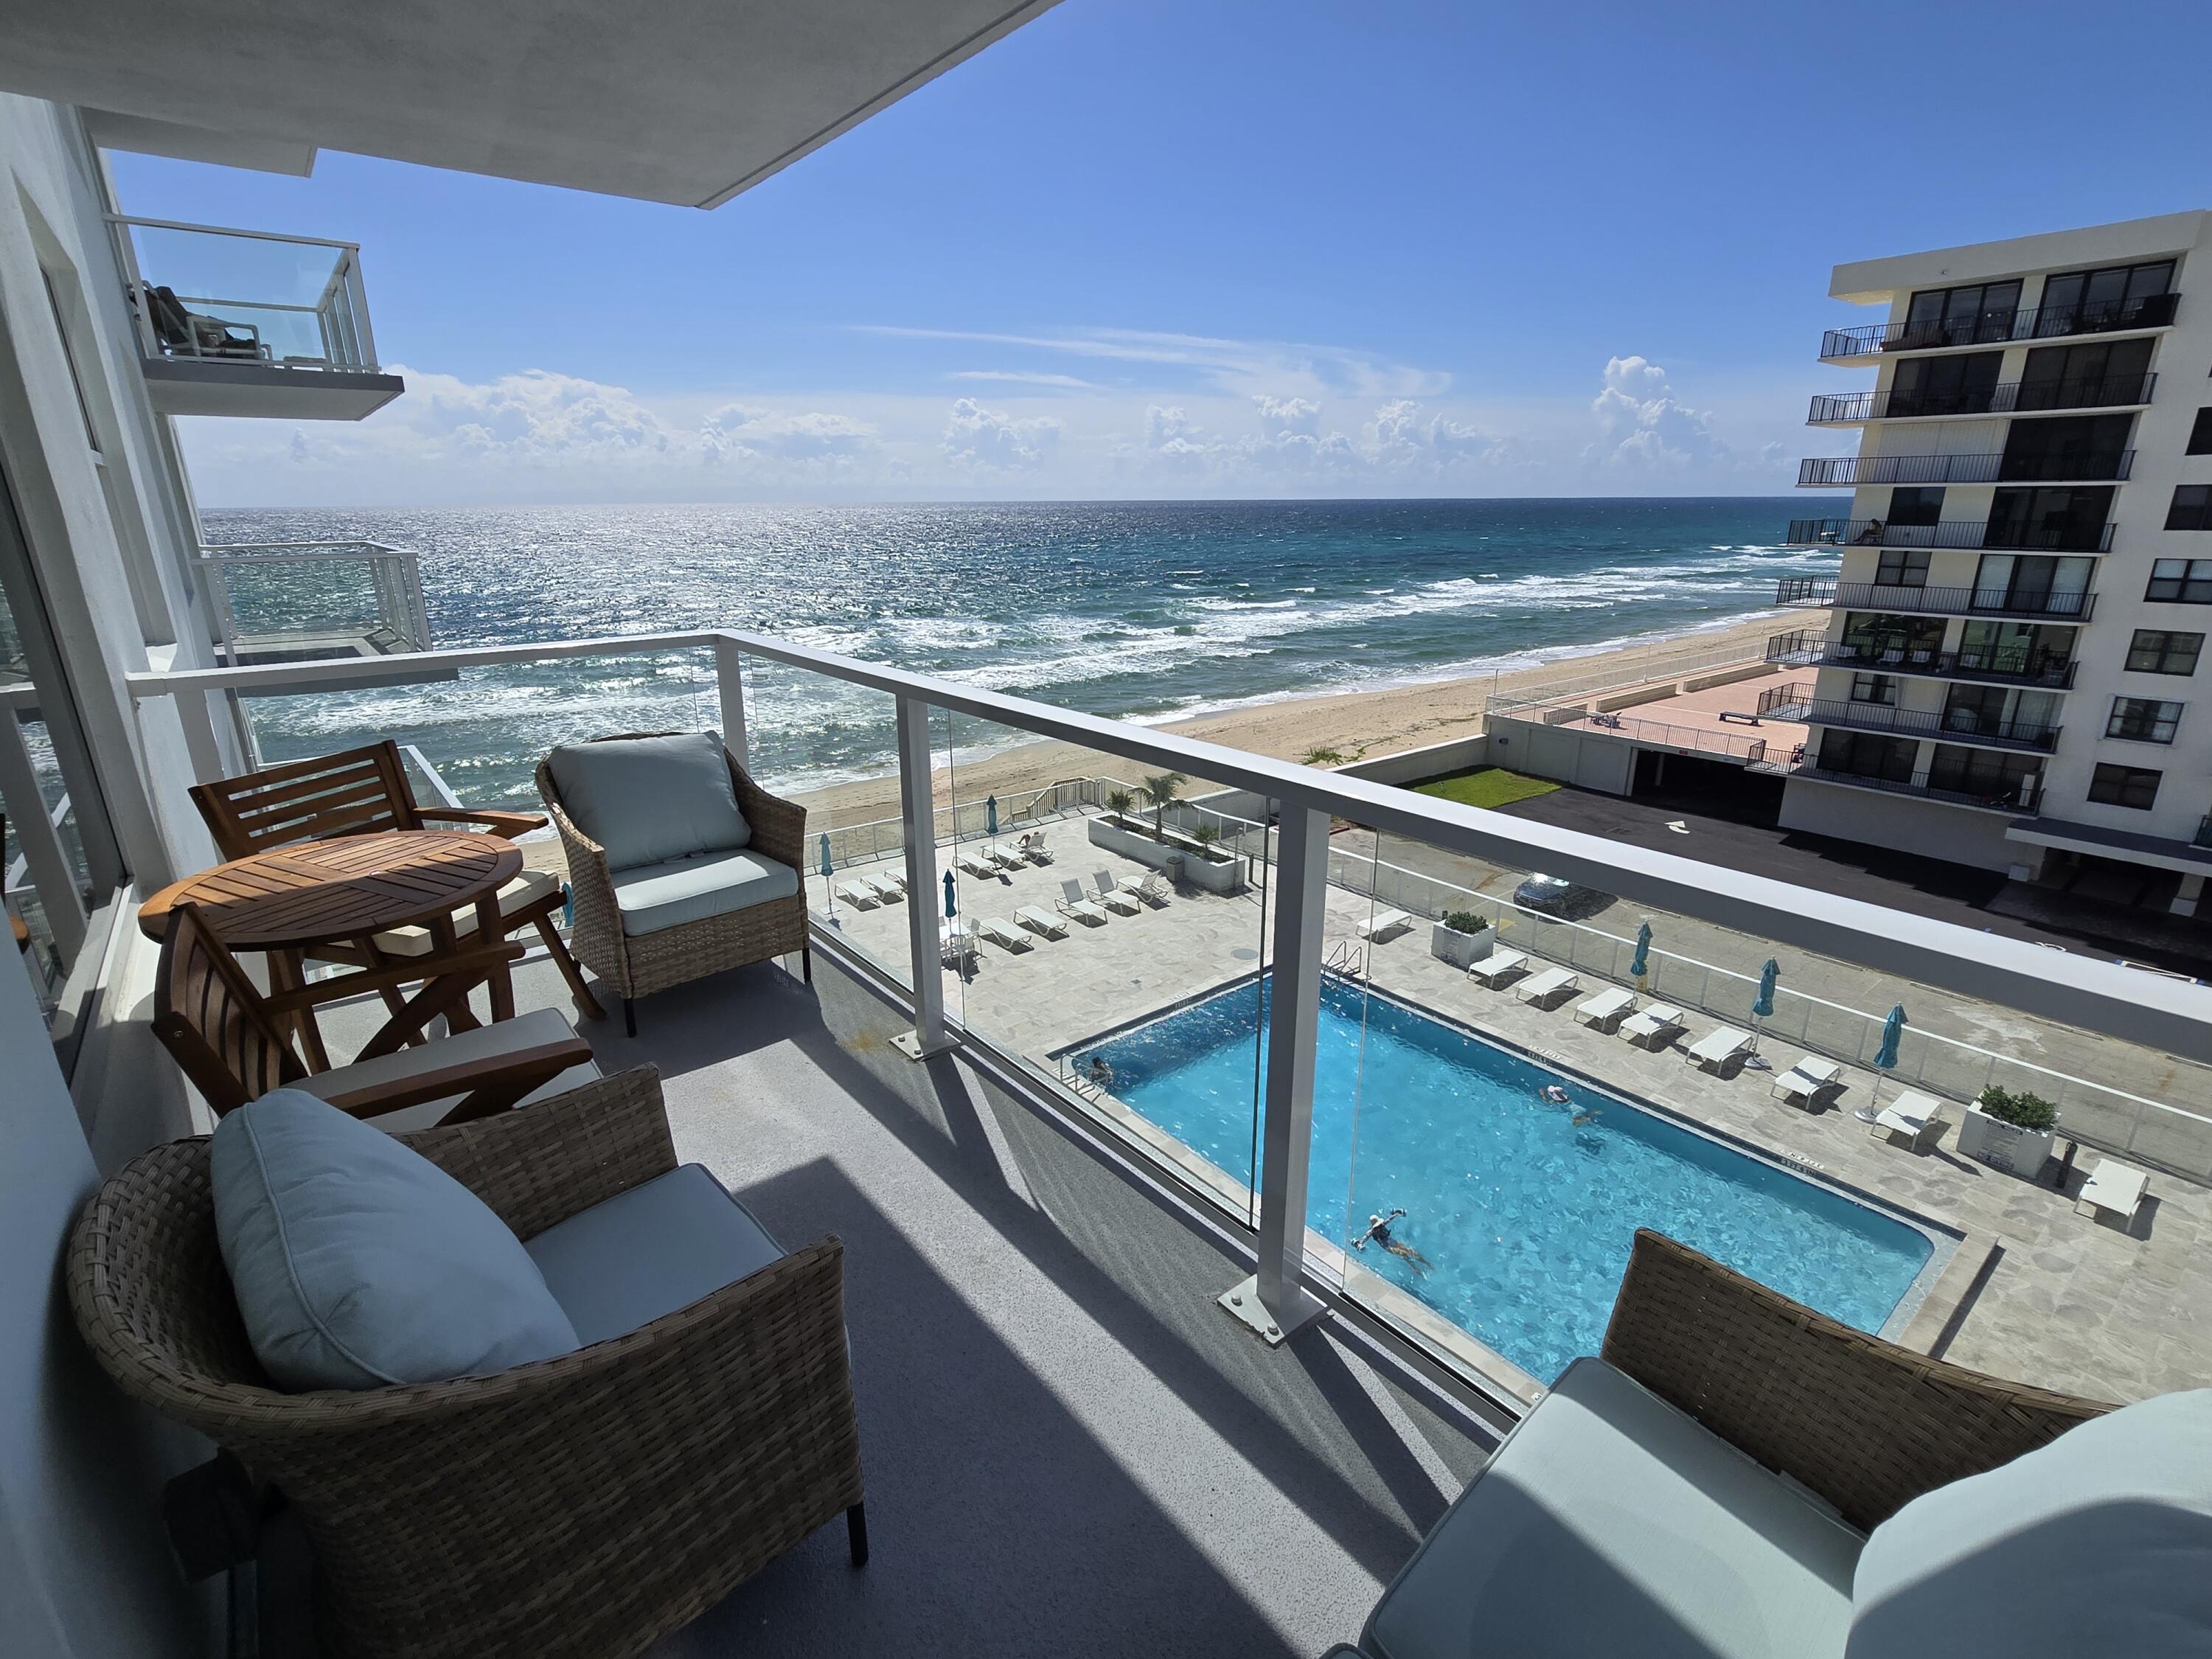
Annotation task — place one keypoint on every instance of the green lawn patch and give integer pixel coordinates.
(1486, 786)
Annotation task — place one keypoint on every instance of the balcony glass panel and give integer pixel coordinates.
(833, 749)
(288, 602)
(236, 296)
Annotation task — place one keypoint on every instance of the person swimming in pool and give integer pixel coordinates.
(1555, 1094)
(1378, 1229)
(1100, 1073)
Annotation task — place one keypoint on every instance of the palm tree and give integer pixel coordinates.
(1159, 795)
(1119, 802)
(1205, 834)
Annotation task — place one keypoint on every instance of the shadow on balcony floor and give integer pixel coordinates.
(1069, 1449)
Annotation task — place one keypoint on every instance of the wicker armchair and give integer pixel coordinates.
(580, 1506)
(639, 965)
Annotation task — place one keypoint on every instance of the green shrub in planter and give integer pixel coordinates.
(2025, 1110)
(1464, 921)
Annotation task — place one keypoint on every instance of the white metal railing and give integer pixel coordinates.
(2071, 992)
(280, 601)
(1748, 748)
(42, 862)
(206, 293)
(1659, 667)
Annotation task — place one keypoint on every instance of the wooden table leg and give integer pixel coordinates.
(288, 971)
(491, 930)
(444, 941)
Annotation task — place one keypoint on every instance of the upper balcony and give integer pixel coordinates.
(247, 323)
(1961, 725)
(300, 601)
(1970, 533)
(1849, 471)
(2150, 312)
(2006, 397)
(2041, 669)
(2067, 604)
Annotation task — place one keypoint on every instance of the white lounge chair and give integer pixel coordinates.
(1552, 981)
(1038, 919)
(1917, 1117)
(955, 942)
(1072, 903)
(1805, 1082)
(1497, 965)
(1654, 1025)
(1154, 890)
(976, 864)
(2112, 1189)
(1006, 857)
(890, 892)
(1034, 849)
(894, 878)
(859, 895)
(1113, 895)
(1384, 924)
(1606, 1008)
(1003, 934)
(1717, 1046)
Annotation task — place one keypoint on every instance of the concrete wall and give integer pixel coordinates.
(1576, 755)
(1904, 823)
(85, 1571)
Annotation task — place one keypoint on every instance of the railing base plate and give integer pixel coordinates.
(910, 1044)
(1244, 1304)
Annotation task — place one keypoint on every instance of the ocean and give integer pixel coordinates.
(1145, 610)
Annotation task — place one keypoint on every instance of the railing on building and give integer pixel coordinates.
(1806, 648)
(1972, 533)
(204, 294)
(1289, 834)
(1750, 750)
(290, 601)
(2002, 327)
(1960, 725)
(2006, 397)
(1849, 471)
(2019, 800)
(2068, 606)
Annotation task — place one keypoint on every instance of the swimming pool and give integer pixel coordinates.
(1526, 1219)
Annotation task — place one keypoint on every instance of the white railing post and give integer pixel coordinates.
(730, 686)
(1274, 1301)
(44, 857)
(201, 747)
(918, 810)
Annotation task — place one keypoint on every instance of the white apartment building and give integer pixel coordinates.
(2011, 670)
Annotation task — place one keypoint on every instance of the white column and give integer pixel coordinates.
(730, 685)
(1274, 1301)
(924, 904)
(2185, 901)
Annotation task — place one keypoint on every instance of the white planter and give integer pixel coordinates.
(1179, 859)
(1460, 950)
(2004, 1145)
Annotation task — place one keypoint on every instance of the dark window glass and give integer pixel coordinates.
(2143, 719)
(1989, 776)
(2113, 297)
(1980, 313)
(1902, 566)
(2094, 372)
(1875, 688)
(2200, 435)
(1944, 385)
(2124, 786)
(2158, 651)
(1886, 638)
(2181, 581)
(2071, 518)
(2083, 447)
(1916, 509)
(2192, 508)
(1866, 754)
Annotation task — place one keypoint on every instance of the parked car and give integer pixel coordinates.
(1555, 896)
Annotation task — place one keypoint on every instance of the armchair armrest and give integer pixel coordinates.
(1865, 1424)
(564, 1155)
(779, 826)
(506, 825)
(489, 1084)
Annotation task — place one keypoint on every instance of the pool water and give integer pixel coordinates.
(1525, 1218)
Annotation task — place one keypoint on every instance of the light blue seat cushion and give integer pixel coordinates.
(659, 1247)
(2098, 1543)
(655, 896)
(645, 800)
(357, 1262)
(1611, 1523)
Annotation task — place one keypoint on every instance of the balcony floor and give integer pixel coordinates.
(1069, 1449)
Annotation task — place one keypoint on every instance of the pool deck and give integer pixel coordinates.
(2045, 1295)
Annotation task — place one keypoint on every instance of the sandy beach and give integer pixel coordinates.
(1345, 726)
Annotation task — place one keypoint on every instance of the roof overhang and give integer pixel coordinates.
(1873, 281)
(2129, 846)
(688, 102)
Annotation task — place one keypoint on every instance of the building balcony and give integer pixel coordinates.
(1849, 471)
(1808, 591)
(1972, 533)
(1806, 648)
(299, 601)
(247, 323)
(2006, 397)
(1959, 725)
(2013, 803)
(2153, 311)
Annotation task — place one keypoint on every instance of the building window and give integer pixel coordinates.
(2100, 299)
(1875, 688)
(2192, 508)
(2200, 436)
(2143, 719)
(2124, 786)
(1992, 780)
(1977, 315)
(1902, 566)
(2157, 651)
(2181, 581)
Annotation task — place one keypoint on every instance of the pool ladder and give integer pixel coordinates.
(1347, 958)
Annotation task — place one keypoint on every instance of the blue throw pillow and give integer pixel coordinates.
(357, 1262)
(2098, 1543)
(647, 800)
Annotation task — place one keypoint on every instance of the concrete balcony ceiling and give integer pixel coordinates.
(688, 103)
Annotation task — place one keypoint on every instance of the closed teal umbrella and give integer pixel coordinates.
(1885, 1058)
(950, 909)
(828, 870)
(1764, 1007)
(1638, 968)
(991, 816)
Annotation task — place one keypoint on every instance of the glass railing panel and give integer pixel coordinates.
(275, 602)
(221, 295)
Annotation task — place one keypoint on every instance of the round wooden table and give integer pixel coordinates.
(290, 899)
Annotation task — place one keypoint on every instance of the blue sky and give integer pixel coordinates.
(1228, 248)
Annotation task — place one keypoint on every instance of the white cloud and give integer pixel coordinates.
(1023, 377)
(735, 432)
(978, 437)
(1642, 423)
